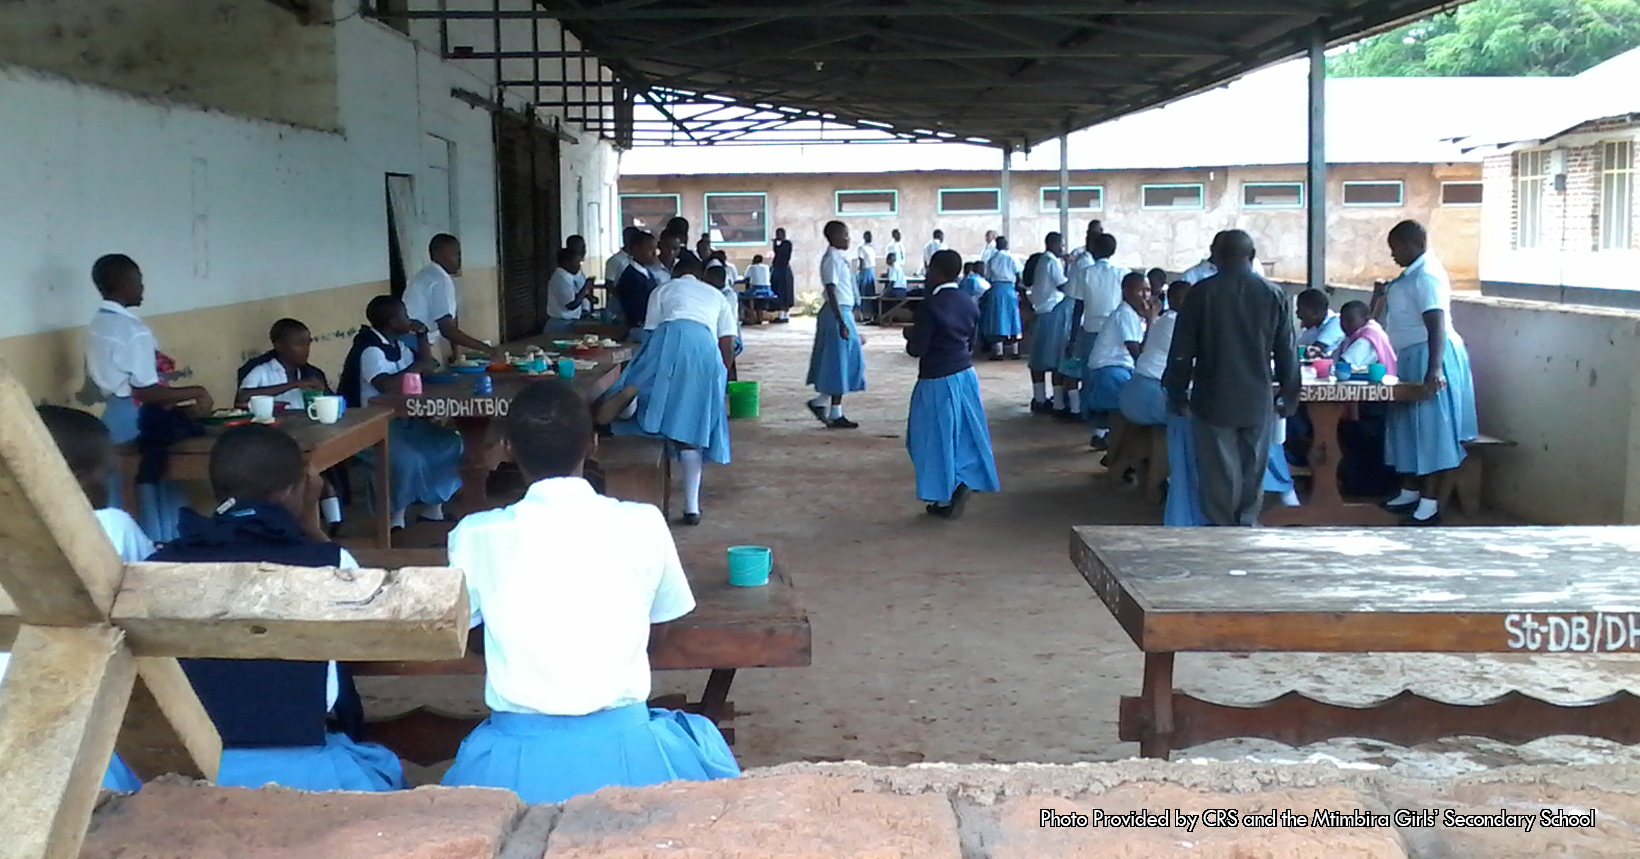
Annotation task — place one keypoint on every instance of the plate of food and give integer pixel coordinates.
(221, 417)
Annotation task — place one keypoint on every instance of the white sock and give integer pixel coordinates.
(996, 348)
(1407, 496)
(398, 519)
(1060, 401)
(1075, 398)
(330, 509)
(835, 412)
(691, 480)
(821, 401)
(1427, 507)
(434, 512)
(1101, 433)
(1290, 498)
(1039, 391)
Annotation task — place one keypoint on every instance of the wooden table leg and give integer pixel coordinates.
(716, 696)
(380, 476)
(1326, 506)
(1157, 698)
(475, 471)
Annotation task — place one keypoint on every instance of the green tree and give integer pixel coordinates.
(1491, 38)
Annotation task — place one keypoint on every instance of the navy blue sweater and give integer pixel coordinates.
(633, 290)
(944, 334)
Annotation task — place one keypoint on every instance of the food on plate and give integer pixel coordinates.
(231, 413)
(608, 343)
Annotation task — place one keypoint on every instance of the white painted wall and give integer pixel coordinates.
(219, 209)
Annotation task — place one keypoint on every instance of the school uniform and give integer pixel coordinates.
(679, 371)
(1142, 401)
(1109, 364)
(564, 306)
(781, 277)
(121, 355)
(285, 723)
(973, 286)
(759, 281)
(131, 544)
(267, 371)
(428, 297)
(1329, 335)
(632, 291)
(732, 299)
(837, 366)
(1426, 437)
(985, 255)
(866, 280)
(934, 246)
(425, 460)
(999, 312)
(1051, 330)
(1098, 285)
(946, 433)
(616, 266)
(898, 250)
(567, 672)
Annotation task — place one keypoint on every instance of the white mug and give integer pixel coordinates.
(262, 408)
(325, 410)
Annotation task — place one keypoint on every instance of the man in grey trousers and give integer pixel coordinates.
(1234, 327)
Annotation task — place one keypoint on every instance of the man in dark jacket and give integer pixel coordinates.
(1235, 326)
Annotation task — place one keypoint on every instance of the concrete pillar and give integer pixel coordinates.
(1065, 184)
(1316, 186)
(1008, 192)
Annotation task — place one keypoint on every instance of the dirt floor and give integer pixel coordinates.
(977, 641)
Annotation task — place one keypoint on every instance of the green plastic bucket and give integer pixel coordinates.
(749, 566)
(743, 399)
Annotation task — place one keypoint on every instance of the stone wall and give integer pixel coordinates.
(936, 811)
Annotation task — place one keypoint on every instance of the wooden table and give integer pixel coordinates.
(1326, 403)
(1460, 590)
(472, 414)
(325, 447)
(731, 628)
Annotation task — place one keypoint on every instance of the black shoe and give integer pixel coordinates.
(1041, 407)
(996, 357)
(1099, 442)
(841, 423)
(941, 510)
(819, 412)
(691, 518)
(959, 501)
(1068, 416)
(1415, 522)
(1408, 507)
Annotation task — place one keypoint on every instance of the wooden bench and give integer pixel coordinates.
(1466, 484)
(1142, 448)
(731, 628)
(635, 469)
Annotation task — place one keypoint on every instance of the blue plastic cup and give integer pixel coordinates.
(566, 368)
(749, 566)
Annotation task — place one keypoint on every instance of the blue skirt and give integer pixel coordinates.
(1184, 500)
(1426, 437)
(784, 285)
(681, 381)
(999, 313)
(160, 504)
(1050, 334)
(948, 438)
(1278, 476)
(120, 778)
(1104, 388)
(554, 758)
(1143, 402)
(424, 460)
(836, 366)
(339, 764)
(866, 282)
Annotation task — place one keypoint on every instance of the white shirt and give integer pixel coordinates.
(834, 269)
(896, 248)
(373, 362)
(868, 258)
(429, 297)
(616, 266)
(757, 274)
(660, 273)
(1421, 288)
(990, 251)
(561, 292)
(566, 583)
(933, 247)
(1002, 268)
(896, 276)
(120, 351)
(1124, 325)
(130, 543)
(270, 373)
(1048, 285)
(1360, 354)
(693, 299)
(1153, 360)
(1329, 334)
(1098, 285)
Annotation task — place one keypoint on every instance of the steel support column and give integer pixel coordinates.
(1065, 184)
(1316, 184)
(1008, 192)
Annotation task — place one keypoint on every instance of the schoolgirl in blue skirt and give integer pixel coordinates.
(946, 433)
(1000, 325)
(567, 585)
(1424, 438)
(674, 389)
(837, 364)
(1051, 330)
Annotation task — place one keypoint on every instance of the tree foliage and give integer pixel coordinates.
(1490, 38)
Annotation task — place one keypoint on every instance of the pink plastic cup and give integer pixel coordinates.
(411, 384)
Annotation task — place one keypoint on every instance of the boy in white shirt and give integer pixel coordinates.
(1118, 345)
(572, 589)
(568, 294)
(430, 298)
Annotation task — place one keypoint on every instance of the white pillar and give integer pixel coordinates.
(1316, 184)
(1065, 184)
(1008, 192)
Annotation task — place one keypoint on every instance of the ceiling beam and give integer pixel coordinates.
(650, 12)
(801, 55)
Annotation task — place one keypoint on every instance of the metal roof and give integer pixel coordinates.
(986, 71)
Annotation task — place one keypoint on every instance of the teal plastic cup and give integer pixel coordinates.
(749, 566)
(566, 367)
(1376, 372)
